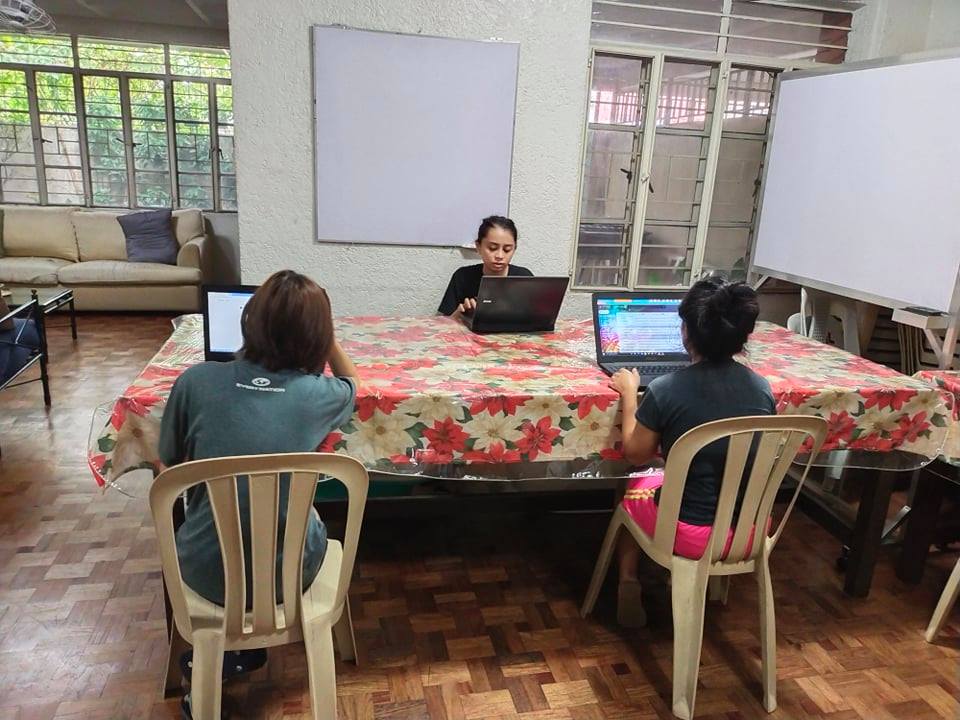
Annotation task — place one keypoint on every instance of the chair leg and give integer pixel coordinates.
(343, 633)
(719, 587)
(945, 604)
(768, 634)
(689, 595)
(318, 639)
(206, 681)
(603, 564)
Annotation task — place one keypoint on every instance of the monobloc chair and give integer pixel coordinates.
(945, 604)
(313, 615)
(779, 440)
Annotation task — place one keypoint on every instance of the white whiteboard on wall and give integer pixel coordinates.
(414, 136)
(861, 185)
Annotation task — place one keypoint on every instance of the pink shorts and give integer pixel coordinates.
(691, 540)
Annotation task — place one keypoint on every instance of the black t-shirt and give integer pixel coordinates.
(703, 392)
(465, 283)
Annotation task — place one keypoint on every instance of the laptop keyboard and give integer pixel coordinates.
(646, 369)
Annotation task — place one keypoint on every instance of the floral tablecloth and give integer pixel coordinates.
(949, 381)
(437, 393)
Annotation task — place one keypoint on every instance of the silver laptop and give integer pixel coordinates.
(639, 330)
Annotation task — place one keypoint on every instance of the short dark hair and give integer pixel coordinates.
(719, 317)
(288, 325)
(504, 223)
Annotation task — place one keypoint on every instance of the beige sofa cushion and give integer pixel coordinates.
(99, 235)
(30, 270)
(121, 272)
(187, 224)
(39, 232)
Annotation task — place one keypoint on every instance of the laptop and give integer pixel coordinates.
(517, 304)
(639, 330)
(222, 314)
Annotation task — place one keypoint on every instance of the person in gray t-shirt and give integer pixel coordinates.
(717, 319)
(271, 399)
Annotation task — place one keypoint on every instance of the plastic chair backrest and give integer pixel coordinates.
(780, 440)
(220, 475)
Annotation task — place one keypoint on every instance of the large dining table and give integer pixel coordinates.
(440, 401)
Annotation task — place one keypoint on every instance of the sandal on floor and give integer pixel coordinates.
(186, 711)
(235, 662)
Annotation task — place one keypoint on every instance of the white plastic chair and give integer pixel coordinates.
(313, 615)
(947, 600)
(780, 439)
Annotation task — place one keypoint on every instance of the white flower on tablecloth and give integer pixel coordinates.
(594, 433)
(430, 408)
(829, 402)
(875, 421)
(927, 401)
(497, 428)
(382, 436)
(551, 406)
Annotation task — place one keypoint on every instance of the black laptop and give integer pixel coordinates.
(222, 314)
(639, 330)
(517, 304)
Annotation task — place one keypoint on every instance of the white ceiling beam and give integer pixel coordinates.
(91, 8)
(192, 4)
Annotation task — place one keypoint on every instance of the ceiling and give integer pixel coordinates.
(205, 14)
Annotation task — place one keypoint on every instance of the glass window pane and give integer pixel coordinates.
(602, 255)
(618, 90)
(605, 174)
(749, 98)
(676, 177)
(686, 95)
(225, 104)
(191, 101)
(36, 49)
(105, 143)
(801, 33)
(18, 174)
(61, 138)
(151, 160)
(738, 174)
(228, 192)
(660, 25)
(191, 107)
(726, 252)
(200, 62)
(122, 56)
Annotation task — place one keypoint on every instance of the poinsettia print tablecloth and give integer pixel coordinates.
(949, 381)
(436, 393)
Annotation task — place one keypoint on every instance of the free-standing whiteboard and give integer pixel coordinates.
(414, 135)
(861, 185)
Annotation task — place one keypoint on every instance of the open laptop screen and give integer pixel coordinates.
(222, 314)
(638, 327)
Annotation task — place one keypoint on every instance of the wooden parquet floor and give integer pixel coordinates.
(463, 618)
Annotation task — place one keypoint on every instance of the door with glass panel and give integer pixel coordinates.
(616, 122)
(685, 102)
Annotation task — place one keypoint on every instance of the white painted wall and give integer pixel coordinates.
(270, 47)
(887, 28)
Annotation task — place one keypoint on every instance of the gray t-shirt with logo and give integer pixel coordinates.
(240, 408)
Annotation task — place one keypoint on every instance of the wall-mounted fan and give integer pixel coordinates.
(24, 16)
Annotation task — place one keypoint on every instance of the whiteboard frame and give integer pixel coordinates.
(317, 240)
(906, 59)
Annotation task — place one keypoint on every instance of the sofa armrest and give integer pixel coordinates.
(191, 253)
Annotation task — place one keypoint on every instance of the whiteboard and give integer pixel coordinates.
(414, 136)
(861, 186)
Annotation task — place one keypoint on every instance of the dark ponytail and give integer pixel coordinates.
(719, 317)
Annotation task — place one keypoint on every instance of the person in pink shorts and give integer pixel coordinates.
(718, 317)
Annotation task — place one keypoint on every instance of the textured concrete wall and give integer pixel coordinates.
(887, 28)
(271, 51)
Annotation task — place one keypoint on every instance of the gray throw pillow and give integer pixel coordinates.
(150, 237)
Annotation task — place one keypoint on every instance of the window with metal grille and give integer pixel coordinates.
(117, 124)
(670, 193)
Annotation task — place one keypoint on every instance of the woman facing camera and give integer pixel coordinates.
(718, 318)
(272, 399)
(496, 244)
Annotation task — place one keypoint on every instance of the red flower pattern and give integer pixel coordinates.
(446, 436)
(537, 438)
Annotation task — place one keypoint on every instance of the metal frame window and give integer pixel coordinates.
(678, 117)
(115, 124)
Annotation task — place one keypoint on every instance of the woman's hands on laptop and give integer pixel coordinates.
(467, 306)
(626, 382)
